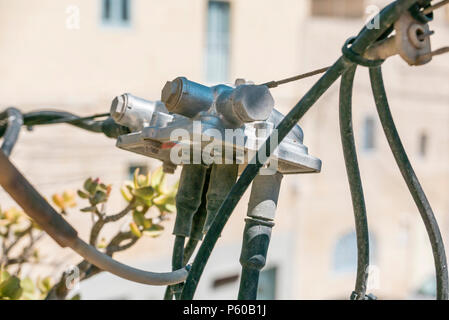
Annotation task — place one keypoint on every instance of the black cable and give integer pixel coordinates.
(177, 262)
(51, 116)
(73, 119)
(355, 182)
(190, 249)
(46, 117)
(425, 210)
(14, 122)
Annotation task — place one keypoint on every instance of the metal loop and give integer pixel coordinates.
(356, 58)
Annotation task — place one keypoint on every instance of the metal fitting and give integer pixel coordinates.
(264, 198)
(246, 103)
(188, 197)
(135, 113)
(247, 109)
(186, 97)
(411, 42)
(222, 178)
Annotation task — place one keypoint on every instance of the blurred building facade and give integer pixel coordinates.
(77, 55)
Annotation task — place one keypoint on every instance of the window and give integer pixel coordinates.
(423, 141)
(143, 169)
(225, 281)
(218, 42)
(116, 12)
(369, 141)
(345, 253)
(338, 8)
(267, 284)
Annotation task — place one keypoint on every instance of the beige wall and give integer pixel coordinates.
(44, 64)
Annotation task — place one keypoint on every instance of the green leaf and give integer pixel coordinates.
(144, 202)
(27, 285)
(76, 297)
(138, 218)
(44, 285)
(82, 194)
(99, 197)
(10, 288)
(144, 192)
(126, 194)
(135, 229)
(89, 209)
(93, 187)
(88, 184)
(102, 244)
(147, 223)
(167, 207)
(170, 207)
(4, 275)
(157, 178)
(154, 231)
(161, 200)
(136, 178)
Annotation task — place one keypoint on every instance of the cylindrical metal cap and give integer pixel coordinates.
(246, 103)
(132, 112)
(186, 97)
(118, 107)
(252, 103)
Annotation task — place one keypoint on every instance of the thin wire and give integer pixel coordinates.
(436, 52)
(435, 7)
(274, 84)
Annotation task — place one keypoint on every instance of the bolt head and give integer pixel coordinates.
(118, 107)
(252, 103)
(170, 94)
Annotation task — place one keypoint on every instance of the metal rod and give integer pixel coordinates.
(435, 7)
(355, 182)
(412, 182)
(435, 53)
(274, 84)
